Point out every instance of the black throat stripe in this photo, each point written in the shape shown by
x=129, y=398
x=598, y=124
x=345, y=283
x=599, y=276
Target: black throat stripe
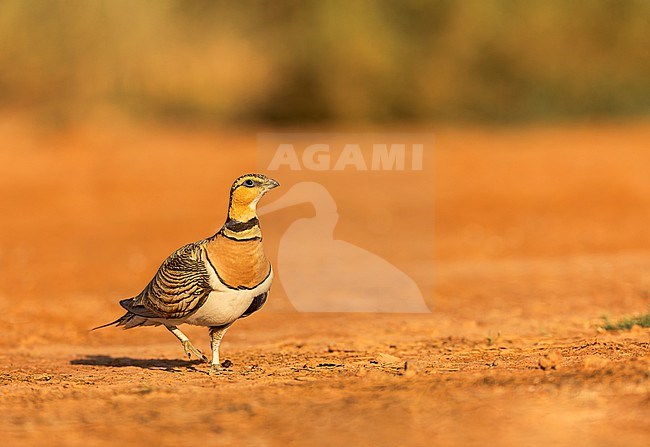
x=237, y=226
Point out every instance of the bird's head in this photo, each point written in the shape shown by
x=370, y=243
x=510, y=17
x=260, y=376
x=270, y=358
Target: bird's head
x=246, y=191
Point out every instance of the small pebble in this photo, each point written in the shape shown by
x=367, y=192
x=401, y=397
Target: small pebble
x=550, y=361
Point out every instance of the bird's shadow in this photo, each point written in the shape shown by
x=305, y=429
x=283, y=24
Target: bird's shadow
x=152, y=364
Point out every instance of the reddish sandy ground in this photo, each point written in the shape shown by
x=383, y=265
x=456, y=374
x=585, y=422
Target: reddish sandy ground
x=539, y=233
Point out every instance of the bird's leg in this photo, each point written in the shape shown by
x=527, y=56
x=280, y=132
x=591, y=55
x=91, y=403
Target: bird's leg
x=216, y=334
x=187, y=344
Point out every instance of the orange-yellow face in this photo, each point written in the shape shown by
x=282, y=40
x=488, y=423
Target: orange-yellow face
x=246, y=191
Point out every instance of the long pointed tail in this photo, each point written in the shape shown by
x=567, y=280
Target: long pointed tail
x=129, y=320
x=117, y=322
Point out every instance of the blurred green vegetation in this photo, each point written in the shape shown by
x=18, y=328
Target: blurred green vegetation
x=628, y=323
x=317, y=61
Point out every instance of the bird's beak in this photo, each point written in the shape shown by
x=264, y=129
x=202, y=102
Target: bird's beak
x=270, y=184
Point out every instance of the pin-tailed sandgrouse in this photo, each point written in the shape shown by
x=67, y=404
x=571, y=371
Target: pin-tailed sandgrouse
x=212, y=282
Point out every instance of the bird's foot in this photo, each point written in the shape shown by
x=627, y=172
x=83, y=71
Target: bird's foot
x=190, y=349
x=219, y=368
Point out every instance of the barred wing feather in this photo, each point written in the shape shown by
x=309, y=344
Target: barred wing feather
x=181, y=285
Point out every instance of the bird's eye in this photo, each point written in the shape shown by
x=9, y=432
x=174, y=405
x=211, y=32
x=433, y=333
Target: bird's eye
x=249, y=183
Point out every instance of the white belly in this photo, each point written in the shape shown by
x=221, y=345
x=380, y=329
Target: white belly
x=225, y=305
